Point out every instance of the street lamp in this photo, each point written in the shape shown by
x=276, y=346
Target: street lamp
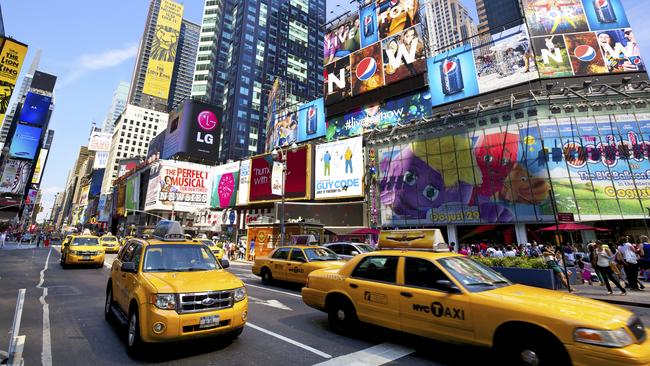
x=278, y=156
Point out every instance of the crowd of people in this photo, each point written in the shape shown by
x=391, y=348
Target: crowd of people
x=621, y=264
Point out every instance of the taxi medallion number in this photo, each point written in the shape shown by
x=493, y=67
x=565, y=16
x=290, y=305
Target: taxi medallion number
x=209, y=321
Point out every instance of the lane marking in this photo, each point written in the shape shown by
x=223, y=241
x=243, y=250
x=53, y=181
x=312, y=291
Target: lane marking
x=270, y=289
x=270, y=303
x=289, y=340
x=46, y=353
x=373, y=356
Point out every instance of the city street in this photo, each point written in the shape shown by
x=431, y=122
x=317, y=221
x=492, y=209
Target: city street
x=281, y=328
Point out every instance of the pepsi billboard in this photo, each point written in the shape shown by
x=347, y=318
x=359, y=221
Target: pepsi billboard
x=396, y=16
x=35, y=109
x=367, y=74
x=452, y=76
x=342, y=40
x=311, y=120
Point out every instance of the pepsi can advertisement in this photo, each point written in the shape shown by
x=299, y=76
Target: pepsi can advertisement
x=451, y=76
x=311, y=120
x=604, y=11
x=369, y=29
x=368, y=25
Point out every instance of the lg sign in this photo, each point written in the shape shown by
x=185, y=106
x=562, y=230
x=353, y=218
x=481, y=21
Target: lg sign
x=207, y=121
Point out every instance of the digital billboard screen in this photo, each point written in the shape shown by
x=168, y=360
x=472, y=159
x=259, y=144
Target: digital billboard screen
x=225, y=180
x=298, y=175
x=404, y=55
x=339, y=169
x=311, y=120
x=179, y=186
x=396, y=16
x=342, y=40
x=15, y=176
x=35, y=109
x=25, y=141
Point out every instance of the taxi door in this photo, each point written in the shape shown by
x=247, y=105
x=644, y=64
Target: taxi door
x=120, y=291
x=130, y=280
x=431, y=309
x=279, y=263
x=374, y=291
x=296, y=266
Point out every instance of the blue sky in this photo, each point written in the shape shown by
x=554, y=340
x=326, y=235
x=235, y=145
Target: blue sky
x=91, y=47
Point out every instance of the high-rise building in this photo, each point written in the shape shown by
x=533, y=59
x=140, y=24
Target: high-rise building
x=133, y=131
x=168, y=45
x=245, y=50
x=2, y=24
x=449, y=24
x=496, y=15
x=118, y=103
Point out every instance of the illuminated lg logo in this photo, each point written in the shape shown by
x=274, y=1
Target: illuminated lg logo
x=207, y=120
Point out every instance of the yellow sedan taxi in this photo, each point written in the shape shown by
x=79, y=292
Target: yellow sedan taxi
x=110, y=243
x=453, y=298
x=294, y=263
x=218, y=252
x=169, y=289
x=82, y=249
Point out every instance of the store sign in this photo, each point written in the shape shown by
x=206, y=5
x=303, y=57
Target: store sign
x=179, y=186
x=296, y=181
x=244, y=182
x=339, y=169
x=100, y=141
x=565, y=217
x=225, y=179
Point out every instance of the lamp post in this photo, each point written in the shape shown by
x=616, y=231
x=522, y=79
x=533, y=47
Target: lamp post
x=278, y=156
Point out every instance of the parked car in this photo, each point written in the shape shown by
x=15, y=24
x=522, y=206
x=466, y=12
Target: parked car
x=347, y=250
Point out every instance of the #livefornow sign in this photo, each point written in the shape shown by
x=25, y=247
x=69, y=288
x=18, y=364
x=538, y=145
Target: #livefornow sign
x=339, y=169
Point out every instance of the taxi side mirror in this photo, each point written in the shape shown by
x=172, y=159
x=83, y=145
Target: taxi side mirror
x=447, y=285
x=128, y=267
x=225, y=263
x=354, y=252
x=66, y=243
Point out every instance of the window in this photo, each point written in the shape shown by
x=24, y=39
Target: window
x=282, y=253
x=376, y=268
x=422, y=273
x=297, y=255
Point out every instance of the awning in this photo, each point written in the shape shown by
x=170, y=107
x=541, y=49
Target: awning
x=346, y=230
x=571, y=227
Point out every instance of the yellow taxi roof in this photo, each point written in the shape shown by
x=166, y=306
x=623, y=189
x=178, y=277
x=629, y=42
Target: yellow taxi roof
x=415, y=253
x=84, y=236
x=301, y=246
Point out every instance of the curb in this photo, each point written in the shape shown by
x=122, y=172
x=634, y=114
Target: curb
x=626, y=303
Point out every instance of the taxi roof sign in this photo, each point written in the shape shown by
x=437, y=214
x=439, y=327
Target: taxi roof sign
x=168, y=230
x=423, y=240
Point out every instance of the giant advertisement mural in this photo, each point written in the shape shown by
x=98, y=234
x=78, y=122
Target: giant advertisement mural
x=298, y=176
x=225, y=180
x=597, y=169
x=178, y=186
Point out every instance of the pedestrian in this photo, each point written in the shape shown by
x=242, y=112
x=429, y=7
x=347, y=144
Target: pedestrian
x=3, y=237
x=604, y=257
x=628, y=256
x=509, y=252
x=550, y=258
x=644, y=261
x=38, y=240
x=592, y=259
x=584, y=269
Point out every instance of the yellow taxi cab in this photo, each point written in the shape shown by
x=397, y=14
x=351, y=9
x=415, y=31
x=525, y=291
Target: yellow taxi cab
x=168, y=289
x=294, y=263
x=82, y=249
x=453, y=298
x=218, y=252
x=110, y=243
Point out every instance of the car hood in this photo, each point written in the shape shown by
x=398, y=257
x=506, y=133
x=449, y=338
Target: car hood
x=559, y=305
x=200, y=281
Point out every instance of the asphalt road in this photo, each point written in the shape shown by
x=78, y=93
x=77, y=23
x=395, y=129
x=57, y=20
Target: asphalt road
x=281, y=329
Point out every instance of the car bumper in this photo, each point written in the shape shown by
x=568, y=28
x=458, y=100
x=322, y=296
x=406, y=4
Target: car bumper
x=636, y=354
x=114, y=249
x=186, y=326
x=79, y=259
x=313, y=298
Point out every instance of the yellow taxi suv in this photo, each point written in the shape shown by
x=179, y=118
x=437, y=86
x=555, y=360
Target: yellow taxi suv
x=294, y=263
x=82, y=250
x=110, y=243
x=453, y=298
x=168, y=289
x=218, y=252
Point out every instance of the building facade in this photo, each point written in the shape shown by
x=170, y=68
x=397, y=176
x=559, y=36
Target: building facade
x=449, y=23
x=181, y=86
x=118, y=103
x=494, y=15
x=207, y=84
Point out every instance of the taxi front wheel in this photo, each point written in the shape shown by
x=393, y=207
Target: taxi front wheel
x=531, y=348
x=267, y=277
x=133, y=340
x=341, y=315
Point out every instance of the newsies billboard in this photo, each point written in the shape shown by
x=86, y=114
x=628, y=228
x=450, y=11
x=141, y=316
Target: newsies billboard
x=180, y=186
x=193, y=132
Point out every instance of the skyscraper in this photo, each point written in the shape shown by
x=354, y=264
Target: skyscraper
x=163, y=46
x=2, y=24
x=118, y=103
x=449, y=24
x=494, y=15
x=254, y=43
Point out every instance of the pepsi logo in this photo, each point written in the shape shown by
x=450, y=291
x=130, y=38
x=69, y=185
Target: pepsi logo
x=311, y=112
x=366, y=68
x=449, y=66
x=602, y=3
x=584, y=53
x=207, y=120
x=367, y=20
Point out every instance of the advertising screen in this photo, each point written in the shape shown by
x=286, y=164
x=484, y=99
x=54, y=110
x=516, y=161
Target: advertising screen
x=297, y=176
x=102, y=208
x=404, y=109
x=547, y=17
x=15, y=176
x=284, y=131
x=32, y=194
x=311, y=120
x=35, y=109
x=83, y=196
x=396, y=16
x=452, y=75
x=366, y=70
x=179, y=185
x=368, y=24
x=127, y=164
x=204, y=131
x=342, y=40
x=25, y=141
x=244, y=179
x=101, y=159
x=132, y=193
x=337, y=80
x=225, y=179
x=404, y=55
x=121, y=197
x=163, y=50
x=339, y=169
x=40, y=166
x=12, y=57
x=99, y=141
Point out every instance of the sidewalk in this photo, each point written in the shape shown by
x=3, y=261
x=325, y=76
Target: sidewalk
x=633, y=298
x=10, y=245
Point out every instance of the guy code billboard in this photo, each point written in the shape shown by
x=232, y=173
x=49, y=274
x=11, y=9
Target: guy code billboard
x=339, y=169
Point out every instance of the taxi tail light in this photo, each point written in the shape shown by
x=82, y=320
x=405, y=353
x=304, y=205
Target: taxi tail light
x=164, y=301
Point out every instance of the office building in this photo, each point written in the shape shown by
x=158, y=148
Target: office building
x=496, y=15
x=182, y=54
x=449, y=24
x=118, y=103
x=2, y=24
x=254, y=43
x=133, y=131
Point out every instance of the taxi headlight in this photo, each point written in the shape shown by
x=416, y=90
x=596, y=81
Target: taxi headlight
x=240, y=294
x=608, y=338
x=74, y=252
x=164, y=301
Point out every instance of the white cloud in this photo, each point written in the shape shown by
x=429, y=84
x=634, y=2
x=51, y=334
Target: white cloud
x=88, y=63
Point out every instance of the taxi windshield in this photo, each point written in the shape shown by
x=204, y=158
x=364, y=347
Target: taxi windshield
x=84, y=241
x=320, y=254
x=474, y=276
x=178, y=258
x=365, y=248
x=109, y=239
x=207, y=242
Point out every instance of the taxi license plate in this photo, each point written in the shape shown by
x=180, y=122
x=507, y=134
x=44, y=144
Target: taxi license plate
x=86, y=257
x=209, y=321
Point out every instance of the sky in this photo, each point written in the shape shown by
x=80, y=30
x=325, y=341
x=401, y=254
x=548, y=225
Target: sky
x=91, y=47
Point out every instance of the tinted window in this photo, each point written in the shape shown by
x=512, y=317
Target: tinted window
x=127, y=253
x=422, y=273
x=336, y=248
x=297, y=254
x=282, y=253
x=377, y=269
x=346, y=249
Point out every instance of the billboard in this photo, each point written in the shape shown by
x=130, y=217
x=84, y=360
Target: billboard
x=311, y=120
x=194, y=132
x=244, y=180
x=548, y=17
x=400, y=110
x=24, y=143
x=15, y=176
x=342, y=40
x=225, y=180
x=298, y=181
x=127, y=164
x=99, y=141
x=179, y=186
x=366, y=70
x=101, y=159
x=83, y=195
x=337, y=80
x=339, y=169
x=12, y=57
x=396, y=16
x=32, y=194
x=605, y=14
x=404, y=55
x=40, y=166
x=163, y=50
x=452, y=75
x=35, y=109
x=368, y=22
x=103, y=208
x=132, y=193
x=284, y=131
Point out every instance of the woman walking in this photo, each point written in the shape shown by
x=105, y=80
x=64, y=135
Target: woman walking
x=604, y=256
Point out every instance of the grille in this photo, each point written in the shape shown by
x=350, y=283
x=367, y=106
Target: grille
x=205, y=301
x=86, y=252
x=637, y=328
x=196, y=328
